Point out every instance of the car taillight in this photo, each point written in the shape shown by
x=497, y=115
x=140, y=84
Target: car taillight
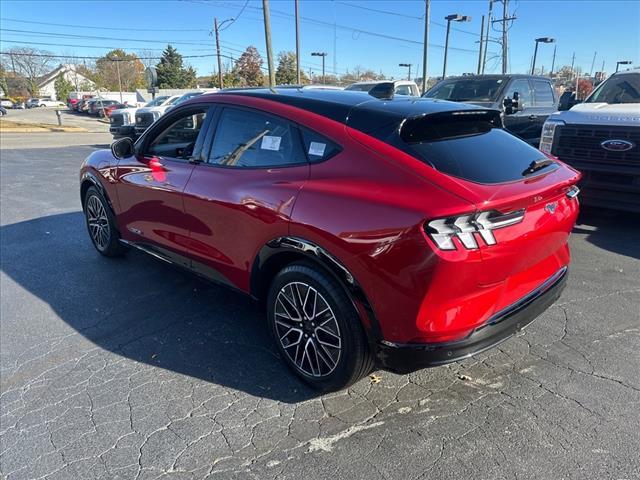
x=470, y=229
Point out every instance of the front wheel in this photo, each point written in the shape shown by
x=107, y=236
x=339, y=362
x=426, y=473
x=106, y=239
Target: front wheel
x=317, y=329
x=101, y=225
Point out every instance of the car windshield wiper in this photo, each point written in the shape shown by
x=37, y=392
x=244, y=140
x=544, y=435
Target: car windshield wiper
x=537, y=165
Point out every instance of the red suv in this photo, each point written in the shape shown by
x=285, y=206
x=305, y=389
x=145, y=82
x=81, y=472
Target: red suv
x=391, y=232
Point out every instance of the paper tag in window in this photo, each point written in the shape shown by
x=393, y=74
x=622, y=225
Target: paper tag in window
x=317, y=148
x=270, y=143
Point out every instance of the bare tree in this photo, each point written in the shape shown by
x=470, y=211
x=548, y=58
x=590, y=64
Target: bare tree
x=31, y=64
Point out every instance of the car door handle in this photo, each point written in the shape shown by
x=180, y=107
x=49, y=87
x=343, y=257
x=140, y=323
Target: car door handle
x=533, y=117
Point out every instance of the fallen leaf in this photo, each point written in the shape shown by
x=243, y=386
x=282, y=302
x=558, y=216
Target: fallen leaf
x=375, y=378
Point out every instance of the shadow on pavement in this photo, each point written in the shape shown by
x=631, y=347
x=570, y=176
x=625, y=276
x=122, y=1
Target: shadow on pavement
x=617, y=232
x=143, y=309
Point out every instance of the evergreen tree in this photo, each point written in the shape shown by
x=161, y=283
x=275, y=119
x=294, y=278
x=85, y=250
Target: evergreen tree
x=286, y=71
x=63, y=87
x=172, y=73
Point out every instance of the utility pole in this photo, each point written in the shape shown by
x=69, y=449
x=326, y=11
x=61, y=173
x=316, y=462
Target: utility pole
x=406, y=65
x=215, y=28
x=504, y=36
x=593, y=63
x=297, y=43
x=323, y=55
x=425, y=48
x=573, y=59
x=553, y=62
x=267, y=37
x=480, y=50
x=486, y=39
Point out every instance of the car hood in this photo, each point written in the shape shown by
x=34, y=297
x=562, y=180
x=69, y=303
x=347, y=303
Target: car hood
x=601, y=114
x=160, y=109
x=131, y=111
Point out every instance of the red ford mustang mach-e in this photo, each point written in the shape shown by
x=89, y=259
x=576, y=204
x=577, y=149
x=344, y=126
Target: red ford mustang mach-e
x=391, y=232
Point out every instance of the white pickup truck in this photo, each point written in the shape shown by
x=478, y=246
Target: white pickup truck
x=601, y=138
x=123, y=121
x=145, y=116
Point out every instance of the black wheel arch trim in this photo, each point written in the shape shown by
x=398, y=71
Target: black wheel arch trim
x=95, y=182
x=321, y=256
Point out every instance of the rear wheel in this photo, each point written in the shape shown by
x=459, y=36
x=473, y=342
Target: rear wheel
x=316, y=328
x=101, y=224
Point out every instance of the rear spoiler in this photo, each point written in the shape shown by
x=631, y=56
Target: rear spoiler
x=451, y=124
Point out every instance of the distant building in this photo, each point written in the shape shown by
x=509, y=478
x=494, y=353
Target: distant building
x=46, y=83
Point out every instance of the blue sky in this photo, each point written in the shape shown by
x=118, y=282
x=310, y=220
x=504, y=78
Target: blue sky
x=361, y=36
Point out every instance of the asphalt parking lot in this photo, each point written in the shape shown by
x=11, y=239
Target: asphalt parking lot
x=129, y=369
x=48, y=116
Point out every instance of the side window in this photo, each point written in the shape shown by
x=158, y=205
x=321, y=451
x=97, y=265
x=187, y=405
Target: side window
x=543, y=94
x=403, y=90
x=248, y=139
x=524, y=91
x=179, y=138
x=317, y=147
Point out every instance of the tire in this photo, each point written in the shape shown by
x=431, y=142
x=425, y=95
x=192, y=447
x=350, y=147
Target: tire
x=101, y=225
x=328, y=348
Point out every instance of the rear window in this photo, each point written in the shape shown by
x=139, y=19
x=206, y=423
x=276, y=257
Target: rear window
x=471, y=147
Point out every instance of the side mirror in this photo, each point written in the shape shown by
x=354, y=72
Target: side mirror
x=122, y=148
x=511, y=104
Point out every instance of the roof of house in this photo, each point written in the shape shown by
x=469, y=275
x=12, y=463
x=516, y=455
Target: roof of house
x=57, y=71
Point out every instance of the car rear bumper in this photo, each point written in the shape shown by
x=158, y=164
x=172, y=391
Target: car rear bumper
x=406, y=358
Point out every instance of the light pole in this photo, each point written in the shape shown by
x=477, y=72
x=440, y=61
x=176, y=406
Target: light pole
x=320, y=54
x=449, y=18
x=406, y=65
x=535, y=52
x=623, y=62
x=216, y=28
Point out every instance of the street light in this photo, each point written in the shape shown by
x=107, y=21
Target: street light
x=535, y=52
x=216, y=28
x=320, y=54
x=623, y=62
x=449, y=18
x=406, y=65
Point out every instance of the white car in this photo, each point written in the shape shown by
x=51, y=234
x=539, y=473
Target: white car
x=600, y=137
x=44, y=102
x=400, y=87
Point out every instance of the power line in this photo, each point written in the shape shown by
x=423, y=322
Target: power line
x=163, y=29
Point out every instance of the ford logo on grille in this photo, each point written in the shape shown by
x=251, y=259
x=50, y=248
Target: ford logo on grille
x=617, y=145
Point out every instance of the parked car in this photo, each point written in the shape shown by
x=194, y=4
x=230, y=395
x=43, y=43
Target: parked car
x=98, y=104
x=525, y=100
x=123, y=121
x=7, y=103
x=72, y=102
x=44, y=102
x=400, y=87
x=399, y=233
x=601, y=138
x=145, y=116
x=106, y=111
x=3, y=111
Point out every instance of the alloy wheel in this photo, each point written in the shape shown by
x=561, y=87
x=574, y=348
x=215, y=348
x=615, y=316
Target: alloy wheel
x=307, y=329
x=98, y=222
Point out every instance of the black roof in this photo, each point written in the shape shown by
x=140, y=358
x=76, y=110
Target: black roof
x=351, y=107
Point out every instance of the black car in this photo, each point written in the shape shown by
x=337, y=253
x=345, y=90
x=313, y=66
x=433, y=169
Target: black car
x=525, y=100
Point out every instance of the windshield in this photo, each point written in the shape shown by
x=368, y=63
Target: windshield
x=466, y=90
x=157, y=101
x=360, y=87
x=618, y=89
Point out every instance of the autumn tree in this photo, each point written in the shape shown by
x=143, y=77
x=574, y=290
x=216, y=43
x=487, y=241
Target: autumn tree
x=119, y=68
x=171, y=71
x=249, y=68
x=585, y=87
x=286, y=72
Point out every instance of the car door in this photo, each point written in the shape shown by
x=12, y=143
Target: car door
x=544, y=104
x=150, y=184
x=520, y=122
x=244, y=192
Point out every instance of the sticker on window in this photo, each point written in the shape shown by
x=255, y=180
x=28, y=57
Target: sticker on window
x=270, y=143
x=317, y=148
